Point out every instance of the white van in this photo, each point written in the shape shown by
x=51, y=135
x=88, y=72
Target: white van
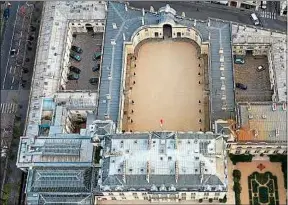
x=264, y=4
x=255, y=19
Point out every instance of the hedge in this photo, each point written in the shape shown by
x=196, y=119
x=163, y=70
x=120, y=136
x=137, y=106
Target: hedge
x=97, y=156
x=283, y=160
x=240, y=158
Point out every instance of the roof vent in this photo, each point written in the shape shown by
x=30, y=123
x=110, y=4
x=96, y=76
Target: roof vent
x=274, y=106
x=114, y=25
x=284, y=106
x=277, y=131
x=264, y=116
x=250, y=116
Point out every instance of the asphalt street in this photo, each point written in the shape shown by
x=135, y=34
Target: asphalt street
x=7, y=39
x=205, y=10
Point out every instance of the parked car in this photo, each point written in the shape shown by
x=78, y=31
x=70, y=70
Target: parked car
x=239, y=60
x=241, y=86
x=75, y=57
x=13, y=52
x=96, y=68
x=74, y=69
x=260, y=68
x=73, y=76
x=93, y=81
x=97, y=56
x=77, y=49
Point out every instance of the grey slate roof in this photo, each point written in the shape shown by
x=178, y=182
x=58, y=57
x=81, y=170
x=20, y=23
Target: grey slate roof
x=127, y=23
x=138, y=181
x=220, y=37
x=61, y=185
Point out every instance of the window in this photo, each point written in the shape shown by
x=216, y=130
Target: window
x=215, y=198
x=123, y=197
x=285, y=152
x=45, y=83
x=228, y=145
x=238, y=152
x=121, y=194
x=247, y=151
x=110, y=194
x=145, y=198
x=134, y=194
x=266, y=151
x=183, y=194
x=146, y=29
x=257, y=151
x=113, y=198
x=136, y=197
x=276, y=151
x=156, y=34
x=217, y=194
x=206, y=194
x=144, y=194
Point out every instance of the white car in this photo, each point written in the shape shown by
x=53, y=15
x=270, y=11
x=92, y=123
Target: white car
x=260, y=68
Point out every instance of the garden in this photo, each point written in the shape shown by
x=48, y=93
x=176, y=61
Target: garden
x=263, y=188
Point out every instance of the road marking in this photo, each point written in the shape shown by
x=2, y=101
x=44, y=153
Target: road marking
x=8, y=108
x=13, y=79
x=11, y=88
x=14, y=69
x=6, y=69
x=10, y=69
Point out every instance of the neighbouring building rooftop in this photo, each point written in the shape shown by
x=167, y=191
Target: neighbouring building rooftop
x=163, y=161
x=263, y=122
x=242, y=34
x=50, y=48
x=60, y=185
x=59, y=151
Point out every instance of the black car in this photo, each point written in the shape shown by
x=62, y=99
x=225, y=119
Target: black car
x=93, y=81
x=77, y=49
x=74, y=69
x=73, y=76
x=241, y=86
x=96, y=68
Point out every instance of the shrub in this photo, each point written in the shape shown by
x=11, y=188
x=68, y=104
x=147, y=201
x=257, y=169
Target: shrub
x=240, y=158
x=97, y=156
x=210, y=200
x=237, y=199
x=237, y=187
x=237, y=174
x=200, y=200
x=225, y=199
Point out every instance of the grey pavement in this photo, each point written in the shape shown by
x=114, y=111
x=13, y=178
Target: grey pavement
x=206, y=10
x=89, y=45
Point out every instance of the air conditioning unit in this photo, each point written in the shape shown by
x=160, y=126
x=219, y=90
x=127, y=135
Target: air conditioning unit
x=92, y=128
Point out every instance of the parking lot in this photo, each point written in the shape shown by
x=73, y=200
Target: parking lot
x=257, y=82
x=89, y=45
